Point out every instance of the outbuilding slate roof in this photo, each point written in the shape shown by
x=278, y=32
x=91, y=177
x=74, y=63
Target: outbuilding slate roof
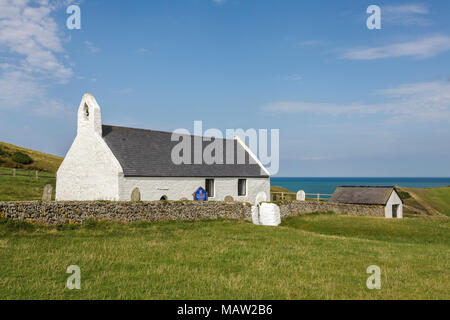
x=362, y=195
x=147, y=153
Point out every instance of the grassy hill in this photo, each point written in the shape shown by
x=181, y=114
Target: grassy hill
x=24, y=185
x=41, y=161
x=317, y=256
x=430, y=201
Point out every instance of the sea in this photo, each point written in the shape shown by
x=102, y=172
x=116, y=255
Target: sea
x=328, y=185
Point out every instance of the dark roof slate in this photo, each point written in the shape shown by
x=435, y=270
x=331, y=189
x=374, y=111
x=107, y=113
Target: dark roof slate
x=147, y=153
x=362, y=195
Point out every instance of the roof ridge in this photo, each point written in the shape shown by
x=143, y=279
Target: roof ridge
x=166, y=132
x=391, y=187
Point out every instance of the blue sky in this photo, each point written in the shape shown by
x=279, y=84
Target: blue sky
x=348, y=101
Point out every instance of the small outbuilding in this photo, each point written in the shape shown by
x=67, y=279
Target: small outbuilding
x=371, y=195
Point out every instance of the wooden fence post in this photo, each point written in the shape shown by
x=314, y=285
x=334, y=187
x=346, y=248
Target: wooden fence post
x=14, y=172
x=318, y=197
x=37, y=175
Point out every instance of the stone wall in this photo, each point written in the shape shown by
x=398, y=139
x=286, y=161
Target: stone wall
x=292, y=208
x=78, y=211
x=64, y=212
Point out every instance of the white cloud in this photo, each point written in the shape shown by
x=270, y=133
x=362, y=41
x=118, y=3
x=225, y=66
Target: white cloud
x=92, y=48
x=31, y=48
x=219, y=1
x=405, y=14
x=418, y=101
x=18, y=89
x=421, y=48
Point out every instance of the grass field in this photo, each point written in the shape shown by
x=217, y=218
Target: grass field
x=318, y=256
x=24, y=185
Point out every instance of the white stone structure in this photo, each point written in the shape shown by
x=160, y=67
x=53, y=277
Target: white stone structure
x=301, y=195
x=394, y=206
x=269, y=214
x=108, y=163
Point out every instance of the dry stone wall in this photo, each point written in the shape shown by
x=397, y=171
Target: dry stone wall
x=292, y=208
x=77, y=212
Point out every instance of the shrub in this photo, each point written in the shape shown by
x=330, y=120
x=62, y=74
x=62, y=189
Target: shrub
x=22, y=158
x=2, y=152
x=403, y=195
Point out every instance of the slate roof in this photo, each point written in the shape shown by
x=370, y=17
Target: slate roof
x=147, y=153
x=362, y=195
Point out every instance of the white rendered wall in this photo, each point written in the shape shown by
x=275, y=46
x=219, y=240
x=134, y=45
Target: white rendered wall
x=394, y=199
x=89, y=170
x=153, y=188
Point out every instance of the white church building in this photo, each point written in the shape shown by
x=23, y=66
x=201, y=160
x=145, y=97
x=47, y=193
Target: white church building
x=109, y=163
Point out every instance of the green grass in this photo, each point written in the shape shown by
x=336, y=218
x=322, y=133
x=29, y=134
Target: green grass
x=24, y=185
x=412, y=230
x=41, y=161
x=309, y=257
x=436, y=198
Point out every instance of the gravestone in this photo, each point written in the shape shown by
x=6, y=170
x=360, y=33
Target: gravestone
x=301, y=196
x=47, y=194
x=136, y=195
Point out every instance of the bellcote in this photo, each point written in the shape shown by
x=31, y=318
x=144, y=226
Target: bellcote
x=89, y=115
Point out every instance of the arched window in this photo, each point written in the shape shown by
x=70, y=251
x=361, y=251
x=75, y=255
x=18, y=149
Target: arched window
x=86, y=111
x=163, y=198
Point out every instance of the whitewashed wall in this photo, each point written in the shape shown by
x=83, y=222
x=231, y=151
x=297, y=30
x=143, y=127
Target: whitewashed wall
x=153, y=188
x=89, y=171
x=394, y=199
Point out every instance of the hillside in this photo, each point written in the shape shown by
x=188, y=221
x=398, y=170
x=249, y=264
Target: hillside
x=430, y=201
x=40, y=161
